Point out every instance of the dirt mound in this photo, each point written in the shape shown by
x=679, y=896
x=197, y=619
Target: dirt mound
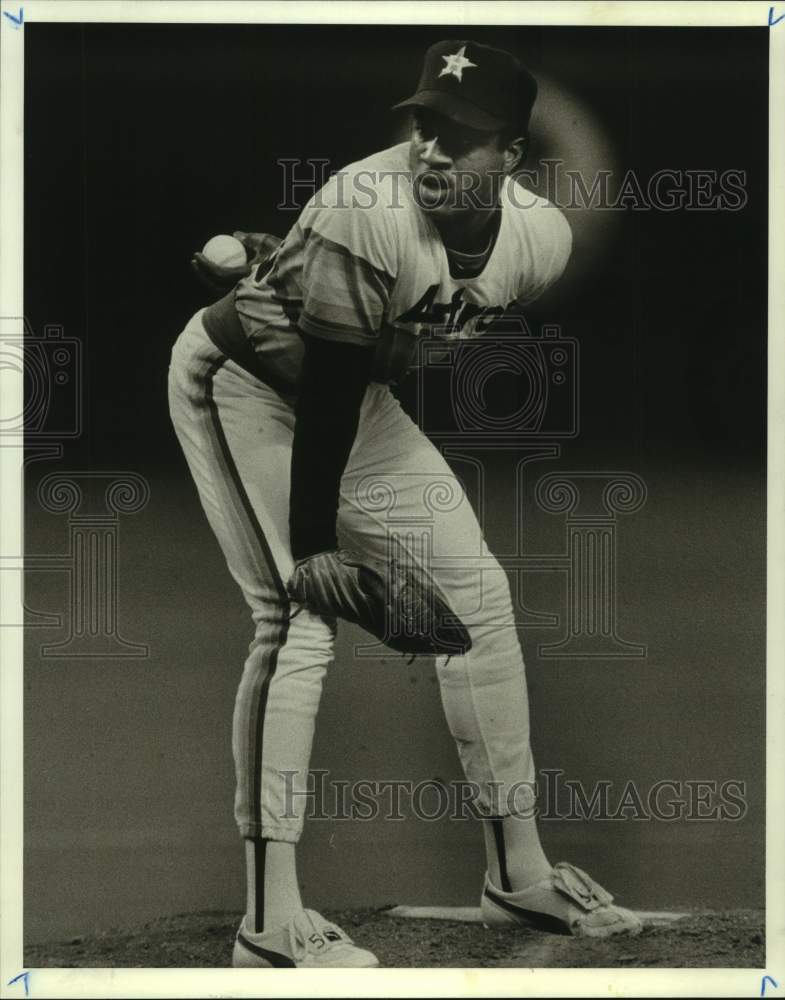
x=730, y=939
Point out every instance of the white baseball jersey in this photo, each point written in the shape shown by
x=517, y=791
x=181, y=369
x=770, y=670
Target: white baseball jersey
x=364, y=264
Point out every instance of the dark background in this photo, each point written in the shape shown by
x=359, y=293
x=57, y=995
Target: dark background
x=143, y=141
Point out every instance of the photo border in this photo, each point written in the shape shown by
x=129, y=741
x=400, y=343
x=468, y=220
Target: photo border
x=387, y=982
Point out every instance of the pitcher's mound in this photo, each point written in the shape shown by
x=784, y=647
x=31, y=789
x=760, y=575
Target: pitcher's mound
x=728, y=939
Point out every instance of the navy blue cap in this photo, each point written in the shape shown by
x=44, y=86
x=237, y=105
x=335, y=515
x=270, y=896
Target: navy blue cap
x=475, y=85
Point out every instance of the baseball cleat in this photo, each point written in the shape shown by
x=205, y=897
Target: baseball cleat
x=567, y=901
x=307, y=941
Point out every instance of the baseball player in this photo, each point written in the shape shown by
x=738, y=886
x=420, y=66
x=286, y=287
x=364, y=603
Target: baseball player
x=280, y=396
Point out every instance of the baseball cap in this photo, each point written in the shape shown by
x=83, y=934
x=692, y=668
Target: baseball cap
x=475, y=85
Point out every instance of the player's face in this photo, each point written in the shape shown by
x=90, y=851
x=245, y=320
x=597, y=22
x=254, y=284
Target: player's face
x=455, y=168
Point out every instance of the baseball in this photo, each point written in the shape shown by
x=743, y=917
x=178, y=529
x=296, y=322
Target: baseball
x=226, y=251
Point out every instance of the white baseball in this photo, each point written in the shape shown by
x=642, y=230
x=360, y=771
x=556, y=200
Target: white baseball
x=226, y=251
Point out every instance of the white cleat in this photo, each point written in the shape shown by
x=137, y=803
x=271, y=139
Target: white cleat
x=567, y=901
x=307, y=941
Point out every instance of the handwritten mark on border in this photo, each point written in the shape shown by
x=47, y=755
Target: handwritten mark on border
x=19, y=21
x=774, y=20
x=25, y=976
x=767, y=979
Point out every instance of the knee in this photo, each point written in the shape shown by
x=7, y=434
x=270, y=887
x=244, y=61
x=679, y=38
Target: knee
x=488, y=600
x=496, y=588
x=298, y=643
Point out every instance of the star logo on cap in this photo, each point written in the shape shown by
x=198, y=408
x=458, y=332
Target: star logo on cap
x=456, y=64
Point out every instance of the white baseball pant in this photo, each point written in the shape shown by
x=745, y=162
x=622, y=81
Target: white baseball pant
x=236, y=434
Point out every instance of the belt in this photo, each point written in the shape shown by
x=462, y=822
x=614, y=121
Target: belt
x=225, y=329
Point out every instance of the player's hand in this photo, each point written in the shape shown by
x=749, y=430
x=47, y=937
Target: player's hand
x=219, y=279
x=216, y=277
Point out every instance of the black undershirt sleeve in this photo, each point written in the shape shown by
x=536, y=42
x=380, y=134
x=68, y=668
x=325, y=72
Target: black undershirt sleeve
x=331, y=390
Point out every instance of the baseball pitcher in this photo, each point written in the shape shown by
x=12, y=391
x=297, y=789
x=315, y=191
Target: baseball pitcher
x=280, y=394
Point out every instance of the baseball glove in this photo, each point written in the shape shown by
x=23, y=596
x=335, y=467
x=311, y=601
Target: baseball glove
x=397, y=604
